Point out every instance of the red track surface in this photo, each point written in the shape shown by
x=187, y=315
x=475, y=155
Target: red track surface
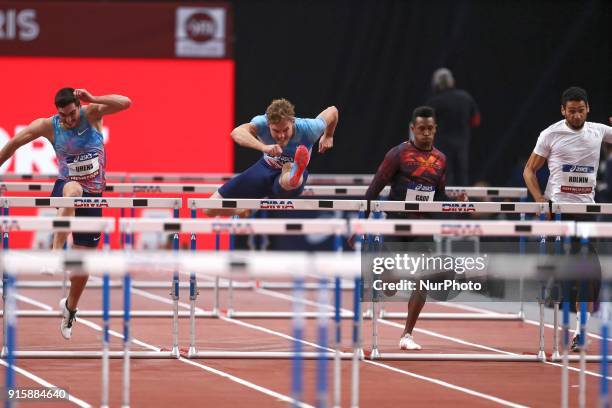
x=174, y=383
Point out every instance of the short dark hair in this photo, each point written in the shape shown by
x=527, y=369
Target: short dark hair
x=423, y=112
x=574, y=93
x=65, y=97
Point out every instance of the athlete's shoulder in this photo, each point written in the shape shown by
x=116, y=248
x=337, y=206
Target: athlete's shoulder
x=438, y=153
x=598, y=127
x=556, y=129
x=307, y=122
x=260, y=120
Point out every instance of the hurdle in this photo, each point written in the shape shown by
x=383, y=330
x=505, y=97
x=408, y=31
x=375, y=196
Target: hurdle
x=84, y=202
x=235, y=265
x=240, y=227
x=309, y=190
x=439, y=227
x=586, y=231
x=25, y=223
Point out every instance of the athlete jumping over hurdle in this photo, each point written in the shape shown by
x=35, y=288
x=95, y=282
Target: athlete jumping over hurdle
x=571, y=146
x=286, y=143
x=417, y=172
x=76, y=135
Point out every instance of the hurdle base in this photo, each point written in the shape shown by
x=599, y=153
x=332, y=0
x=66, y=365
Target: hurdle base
x=590, y=358
x=112, y=313
x=284, y=315
x=280, y=355
x=91, y=354
x=456, y=357
x=454, y=316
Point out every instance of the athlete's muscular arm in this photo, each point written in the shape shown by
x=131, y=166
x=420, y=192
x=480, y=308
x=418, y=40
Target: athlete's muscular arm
x=330, y=116
x=246, y=136
x=39, y=127
x=534, y=163
x=102, y=105
x=387, y=169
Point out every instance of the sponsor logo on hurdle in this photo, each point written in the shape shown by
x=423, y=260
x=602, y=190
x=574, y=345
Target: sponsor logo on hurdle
x=147, y=189
x=460, y=230
x=90, y=203
x=276, y=204
x=458, y=207
x=234, y=228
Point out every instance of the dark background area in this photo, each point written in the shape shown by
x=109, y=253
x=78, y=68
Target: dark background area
x=374, y=60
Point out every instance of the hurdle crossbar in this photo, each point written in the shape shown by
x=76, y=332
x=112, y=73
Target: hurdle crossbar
x=277, y=204
x=462, y=227
x=236, y=226
x=91, y=202
x=77, y=224
x=309, y=190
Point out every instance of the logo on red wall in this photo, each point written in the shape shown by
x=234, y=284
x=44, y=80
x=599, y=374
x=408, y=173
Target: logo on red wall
x=200, y=32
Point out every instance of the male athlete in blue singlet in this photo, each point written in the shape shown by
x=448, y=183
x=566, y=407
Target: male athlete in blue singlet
x=76, y=135
x=286, y=143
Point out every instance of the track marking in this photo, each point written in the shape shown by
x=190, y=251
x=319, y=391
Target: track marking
x=212, y=370
x=44, y=383
x=418, y=376
x=448, y=385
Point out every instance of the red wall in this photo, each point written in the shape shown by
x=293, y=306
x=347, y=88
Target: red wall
x=180, y=120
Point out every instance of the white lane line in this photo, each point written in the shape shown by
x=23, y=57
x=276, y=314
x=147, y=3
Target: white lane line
x=215, y=371
x=449, y=338
x=44, y=383
x=532, y=322
x=481, y=346
x=434, y=380
x=32, y=302
x=448, y=385
x=230, y=377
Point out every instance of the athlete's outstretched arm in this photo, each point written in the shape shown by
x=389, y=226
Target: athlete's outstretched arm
x=39, y=127
x=330, y=116
x=246, y=136
x=534, y=164
x=102, y=105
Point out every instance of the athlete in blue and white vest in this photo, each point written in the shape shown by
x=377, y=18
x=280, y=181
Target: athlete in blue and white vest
x=76, y=135
x=286, y=143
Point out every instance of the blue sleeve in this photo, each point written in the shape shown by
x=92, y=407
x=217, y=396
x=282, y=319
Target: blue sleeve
x=314, y=128
x=261, y=123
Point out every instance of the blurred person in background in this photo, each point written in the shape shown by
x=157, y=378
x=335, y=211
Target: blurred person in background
x=456, y=114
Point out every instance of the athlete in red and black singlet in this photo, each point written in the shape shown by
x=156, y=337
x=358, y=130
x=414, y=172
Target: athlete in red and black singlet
x=416, y=171
x=407, y=167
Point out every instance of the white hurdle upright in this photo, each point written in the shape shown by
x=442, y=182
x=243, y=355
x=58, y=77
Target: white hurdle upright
x=439, y=227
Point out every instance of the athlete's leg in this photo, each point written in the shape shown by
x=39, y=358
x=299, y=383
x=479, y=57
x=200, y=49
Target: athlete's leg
x=254, y=182
x=70, y=189
x=292, y=175
x=415, y=305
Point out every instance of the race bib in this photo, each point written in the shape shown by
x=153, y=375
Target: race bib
x=84, y=166
x=578, y=179
x=419, y=192
x=279, y=161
